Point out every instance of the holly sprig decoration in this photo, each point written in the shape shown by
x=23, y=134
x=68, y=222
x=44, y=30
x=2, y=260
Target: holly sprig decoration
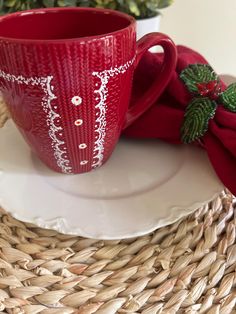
x=205, y=86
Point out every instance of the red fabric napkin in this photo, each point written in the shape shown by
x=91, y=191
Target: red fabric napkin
x=165, y=118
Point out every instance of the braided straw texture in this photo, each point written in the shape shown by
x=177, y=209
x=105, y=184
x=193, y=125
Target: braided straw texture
x=187, y=267
x=4, y=114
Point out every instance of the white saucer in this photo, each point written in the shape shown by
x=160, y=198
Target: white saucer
x=145, y=185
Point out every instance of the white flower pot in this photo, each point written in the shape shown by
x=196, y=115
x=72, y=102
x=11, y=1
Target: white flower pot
x=148, y=25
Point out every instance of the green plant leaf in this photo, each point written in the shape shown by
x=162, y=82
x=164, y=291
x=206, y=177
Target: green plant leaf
x=10, y=3
x=1, y=4
x=196, y=119
x=164, y=3
x=138, y=8
x=66, y=3
x=197, y=73
x=48, y=3
x=110, y=4
x=228, y=98
x=84, y=3
x=152, y=6
x=134, y=9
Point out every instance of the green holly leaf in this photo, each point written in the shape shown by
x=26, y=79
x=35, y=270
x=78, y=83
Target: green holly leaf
x=196, y=119
x=228, y=98
x=197, y=73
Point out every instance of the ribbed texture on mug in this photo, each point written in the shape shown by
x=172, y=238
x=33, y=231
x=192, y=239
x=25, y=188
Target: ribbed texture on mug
x=71, y=66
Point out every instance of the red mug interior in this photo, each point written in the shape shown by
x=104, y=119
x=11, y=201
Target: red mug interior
x=56, y=24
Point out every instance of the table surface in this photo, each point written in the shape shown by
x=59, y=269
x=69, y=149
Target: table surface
x=208, y=26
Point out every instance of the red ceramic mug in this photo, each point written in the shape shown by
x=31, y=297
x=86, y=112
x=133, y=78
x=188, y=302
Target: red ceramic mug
x=66, y=76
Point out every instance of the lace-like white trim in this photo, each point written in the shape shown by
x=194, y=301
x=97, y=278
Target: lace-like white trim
x=102, y=91
x=45, y=84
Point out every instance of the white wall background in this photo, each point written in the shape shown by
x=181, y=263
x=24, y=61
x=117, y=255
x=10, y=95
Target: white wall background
x=208, y=26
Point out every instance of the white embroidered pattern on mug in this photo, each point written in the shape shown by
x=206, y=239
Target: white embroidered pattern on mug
x=45, y=84
x=101, y=106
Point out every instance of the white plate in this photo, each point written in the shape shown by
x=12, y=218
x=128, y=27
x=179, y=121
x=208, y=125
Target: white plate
x=144, y=185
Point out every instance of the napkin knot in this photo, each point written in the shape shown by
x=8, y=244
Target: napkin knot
x=206, y=88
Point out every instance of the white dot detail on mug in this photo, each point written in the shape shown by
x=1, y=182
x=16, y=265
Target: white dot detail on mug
x=82, y=146
x=83, y=162
x=78, y=122
x=76, y=100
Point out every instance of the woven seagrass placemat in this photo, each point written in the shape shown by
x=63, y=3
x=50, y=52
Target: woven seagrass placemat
x=187, y=267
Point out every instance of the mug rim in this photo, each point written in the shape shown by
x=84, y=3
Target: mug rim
x=132, y=23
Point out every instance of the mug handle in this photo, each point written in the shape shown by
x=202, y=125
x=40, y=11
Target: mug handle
x=163, y=77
